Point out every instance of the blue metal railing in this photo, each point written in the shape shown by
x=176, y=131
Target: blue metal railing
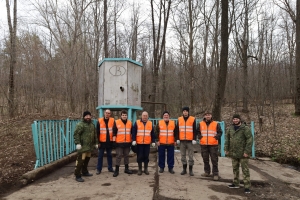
x=53, y=139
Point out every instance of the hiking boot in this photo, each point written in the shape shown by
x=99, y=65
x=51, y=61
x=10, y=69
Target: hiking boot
x=79, y=179
x=171, y=171
x=87, y=174
x=233, y=186
x=140, y=169
x=161, y=170
x=98, y=172
x=205, y=174
x=191, y=170
x=247, y=191
x=216, y=177
x=184, y=170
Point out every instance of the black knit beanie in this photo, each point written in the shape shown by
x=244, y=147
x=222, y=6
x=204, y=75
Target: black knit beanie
x=186, y=108
x=86, y=113
x=236, y=116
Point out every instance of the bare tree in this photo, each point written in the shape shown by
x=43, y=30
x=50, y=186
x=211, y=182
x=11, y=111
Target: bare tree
x=105, y=34
x=297, y=93
x=12, y=25
x=158, y=42
x=296, y=19
x=222, y=71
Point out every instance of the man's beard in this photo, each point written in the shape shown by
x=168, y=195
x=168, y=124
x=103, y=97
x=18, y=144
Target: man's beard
x=237, y=123
x=87, y=120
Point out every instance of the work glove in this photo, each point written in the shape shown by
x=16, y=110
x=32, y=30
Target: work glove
x=96, y=146
x=133, y=143
x=217, y=137
x=78, y=146
x=178, y=141
x=153, y=144
x=194, y=142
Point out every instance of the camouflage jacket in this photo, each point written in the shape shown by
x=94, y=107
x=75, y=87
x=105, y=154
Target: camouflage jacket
x=238, y=142
x=85, y=134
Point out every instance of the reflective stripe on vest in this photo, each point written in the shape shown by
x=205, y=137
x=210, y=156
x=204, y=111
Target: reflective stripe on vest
x=208, y=133
x=186, y=128
x=124, y=132
x=102, y=137
x=143, y=135
x=166, y=132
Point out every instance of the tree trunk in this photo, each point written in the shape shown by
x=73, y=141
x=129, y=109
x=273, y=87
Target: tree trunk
x=105, y=30
x=297, y=91
x=191, y=58
x=158, y=46
x=222, y=71
x=13, y=54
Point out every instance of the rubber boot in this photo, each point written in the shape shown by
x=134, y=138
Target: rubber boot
x=79, y=166
x=146, y=168
x=85, y=171
x=140, y=169
x=191, y=170
x=184, y=170
x=116, y=173
x=127, y=171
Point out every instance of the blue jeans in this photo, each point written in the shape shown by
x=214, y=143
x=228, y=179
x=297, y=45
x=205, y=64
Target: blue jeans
x=100, y=158
x=162, y=156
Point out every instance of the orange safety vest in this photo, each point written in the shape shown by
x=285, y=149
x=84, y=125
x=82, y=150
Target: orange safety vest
x=166, y=132
x=124, y=131
x=208, y=133
x=186, y=128
x=143, y=135
x=102, y=137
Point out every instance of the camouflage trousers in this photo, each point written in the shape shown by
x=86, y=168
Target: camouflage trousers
x=236, y=162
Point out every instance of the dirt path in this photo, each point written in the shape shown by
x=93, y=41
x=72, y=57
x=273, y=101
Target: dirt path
x=270, y=180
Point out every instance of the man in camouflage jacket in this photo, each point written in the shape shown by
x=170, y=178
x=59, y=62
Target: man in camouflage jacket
x=85, y=139
x=238, y=146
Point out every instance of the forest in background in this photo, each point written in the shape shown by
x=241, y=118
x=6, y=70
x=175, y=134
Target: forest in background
x=50, y=50
x=58, y=45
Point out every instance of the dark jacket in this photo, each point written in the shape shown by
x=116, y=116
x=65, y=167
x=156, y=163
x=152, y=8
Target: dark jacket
x=115, y=132
x=157, y=131
x=134, y=132
x=194, y=129
x=108, y=143
x=219, y=130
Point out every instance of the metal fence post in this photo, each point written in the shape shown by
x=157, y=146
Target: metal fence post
x=253, y=136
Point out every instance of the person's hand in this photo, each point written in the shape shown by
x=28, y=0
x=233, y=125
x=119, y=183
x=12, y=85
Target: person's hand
x=178, y=141
x=153, y=144
x=194, y=142
x=96, y=146
x=133, y=143
x=216, y=137
x=78, y=146
x=157, y=143
x=114, y=138
x=226, y=152
x=246, y=155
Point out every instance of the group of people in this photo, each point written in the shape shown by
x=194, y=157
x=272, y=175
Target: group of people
x=125, y=135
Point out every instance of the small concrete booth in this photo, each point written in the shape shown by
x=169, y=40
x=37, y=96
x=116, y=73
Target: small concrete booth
x=120, y=86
